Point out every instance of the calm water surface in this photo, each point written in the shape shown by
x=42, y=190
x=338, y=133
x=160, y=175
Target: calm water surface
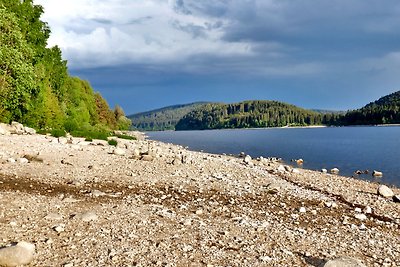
x=347, y=148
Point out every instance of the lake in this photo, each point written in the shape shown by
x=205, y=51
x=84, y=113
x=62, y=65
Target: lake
x=347, y=148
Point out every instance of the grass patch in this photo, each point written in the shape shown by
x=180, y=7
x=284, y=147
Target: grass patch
x=58, y=133
x=112, y=142
x=91, y=134
x=124, y=136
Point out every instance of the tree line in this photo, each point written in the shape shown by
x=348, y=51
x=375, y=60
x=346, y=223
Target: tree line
x=35, y=86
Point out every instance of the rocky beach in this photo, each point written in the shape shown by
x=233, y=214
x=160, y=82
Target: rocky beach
x=70, y=202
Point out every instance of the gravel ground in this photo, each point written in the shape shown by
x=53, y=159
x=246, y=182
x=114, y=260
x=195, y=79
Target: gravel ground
x=147, y=203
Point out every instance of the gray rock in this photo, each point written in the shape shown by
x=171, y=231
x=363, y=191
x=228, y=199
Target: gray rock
x=344, y=262
x=17, y=128
x=385, y=191
x=20, y=254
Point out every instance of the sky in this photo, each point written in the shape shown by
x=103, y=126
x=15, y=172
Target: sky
x=146, y=54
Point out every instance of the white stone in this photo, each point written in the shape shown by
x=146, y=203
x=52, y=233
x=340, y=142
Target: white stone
x=295, y=171
x=23, y=160
x=367, y=210
x=119, y=151
x=247, y=159
x=377, y=173
x=360, y=216
x=59, y=228
x=53, y=216
x=20, y=254
x=344, y=262
x=358, y=210
x=335, y=171
x=30, y=131
x=385, y=191
x=88, y=216
x=97, y=193
x=302, y=210
x=324, y=170
x=281, y=168
x=11, y=160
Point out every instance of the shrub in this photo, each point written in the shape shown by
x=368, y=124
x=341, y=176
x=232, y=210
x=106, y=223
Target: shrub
x=112, y=142
x=58, y=133
x=124, y=136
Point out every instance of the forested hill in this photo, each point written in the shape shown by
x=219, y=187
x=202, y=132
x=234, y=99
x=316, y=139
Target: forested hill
x=35, y=87
x=249, y=114
x=162, y=119
x=385, y=110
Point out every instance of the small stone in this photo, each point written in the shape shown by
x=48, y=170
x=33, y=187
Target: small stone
x=302, y=210
x=281, y=168
x=11, y=160
x=385, y=191
x=377, y=174
x=358, y=210
x=119, y=151
x=23, y=160
x=147, y=158
x=20, y=254
x=295, y=171
x=367, y=210
x=247, y=159
x=53, y=216
x=88, y=216
x=70, y=264
x=324, y=170
x=335, y=171
x=344, y=262
x=363, y=227
x=360, y=216
x=97, y=193
x=199, y=212
x=59, y=228
x=314, y=212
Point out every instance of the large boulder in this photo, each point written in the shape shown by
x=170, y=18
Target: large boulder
x=4, y=129
x=20, y=254
x=385, y=191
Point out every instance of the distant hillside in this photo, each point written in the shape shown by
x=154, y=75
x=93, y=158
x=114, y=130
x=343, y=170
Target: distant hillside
x=385, y=110
x=162, y=119
x=249, y=114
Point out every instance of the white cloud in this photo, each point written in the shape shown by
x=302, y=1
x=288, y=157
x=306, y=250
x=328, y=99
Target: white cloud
x=110, y=32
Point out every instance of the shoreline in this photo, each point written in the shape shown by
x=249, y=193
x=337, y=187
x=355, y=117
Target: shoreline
x=200, y=208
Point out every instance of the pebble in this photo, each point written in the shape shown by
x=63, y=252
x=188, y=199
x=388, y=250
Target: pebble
x=87, y=216
x=53, y=216
x=23, y=160
x=97, y=193
x=367, y=210
x=344, y=262
x=324, y=170
x=360, y=216
x=335, y=171
x=119, y=151
x=59, y=228
x=11, y=160
x=302, y=210
x=20, y=254
x=147, y=158
x=385, y=191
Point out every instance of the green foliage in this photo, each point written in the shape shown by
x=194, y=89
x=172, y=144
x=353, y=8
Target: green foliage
x=385, y=110
x=162, y=119
x=35, y=87
x=248, y=114
x=127, y=137
x=112, y=142
x=58, y=133
x=91, y=133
